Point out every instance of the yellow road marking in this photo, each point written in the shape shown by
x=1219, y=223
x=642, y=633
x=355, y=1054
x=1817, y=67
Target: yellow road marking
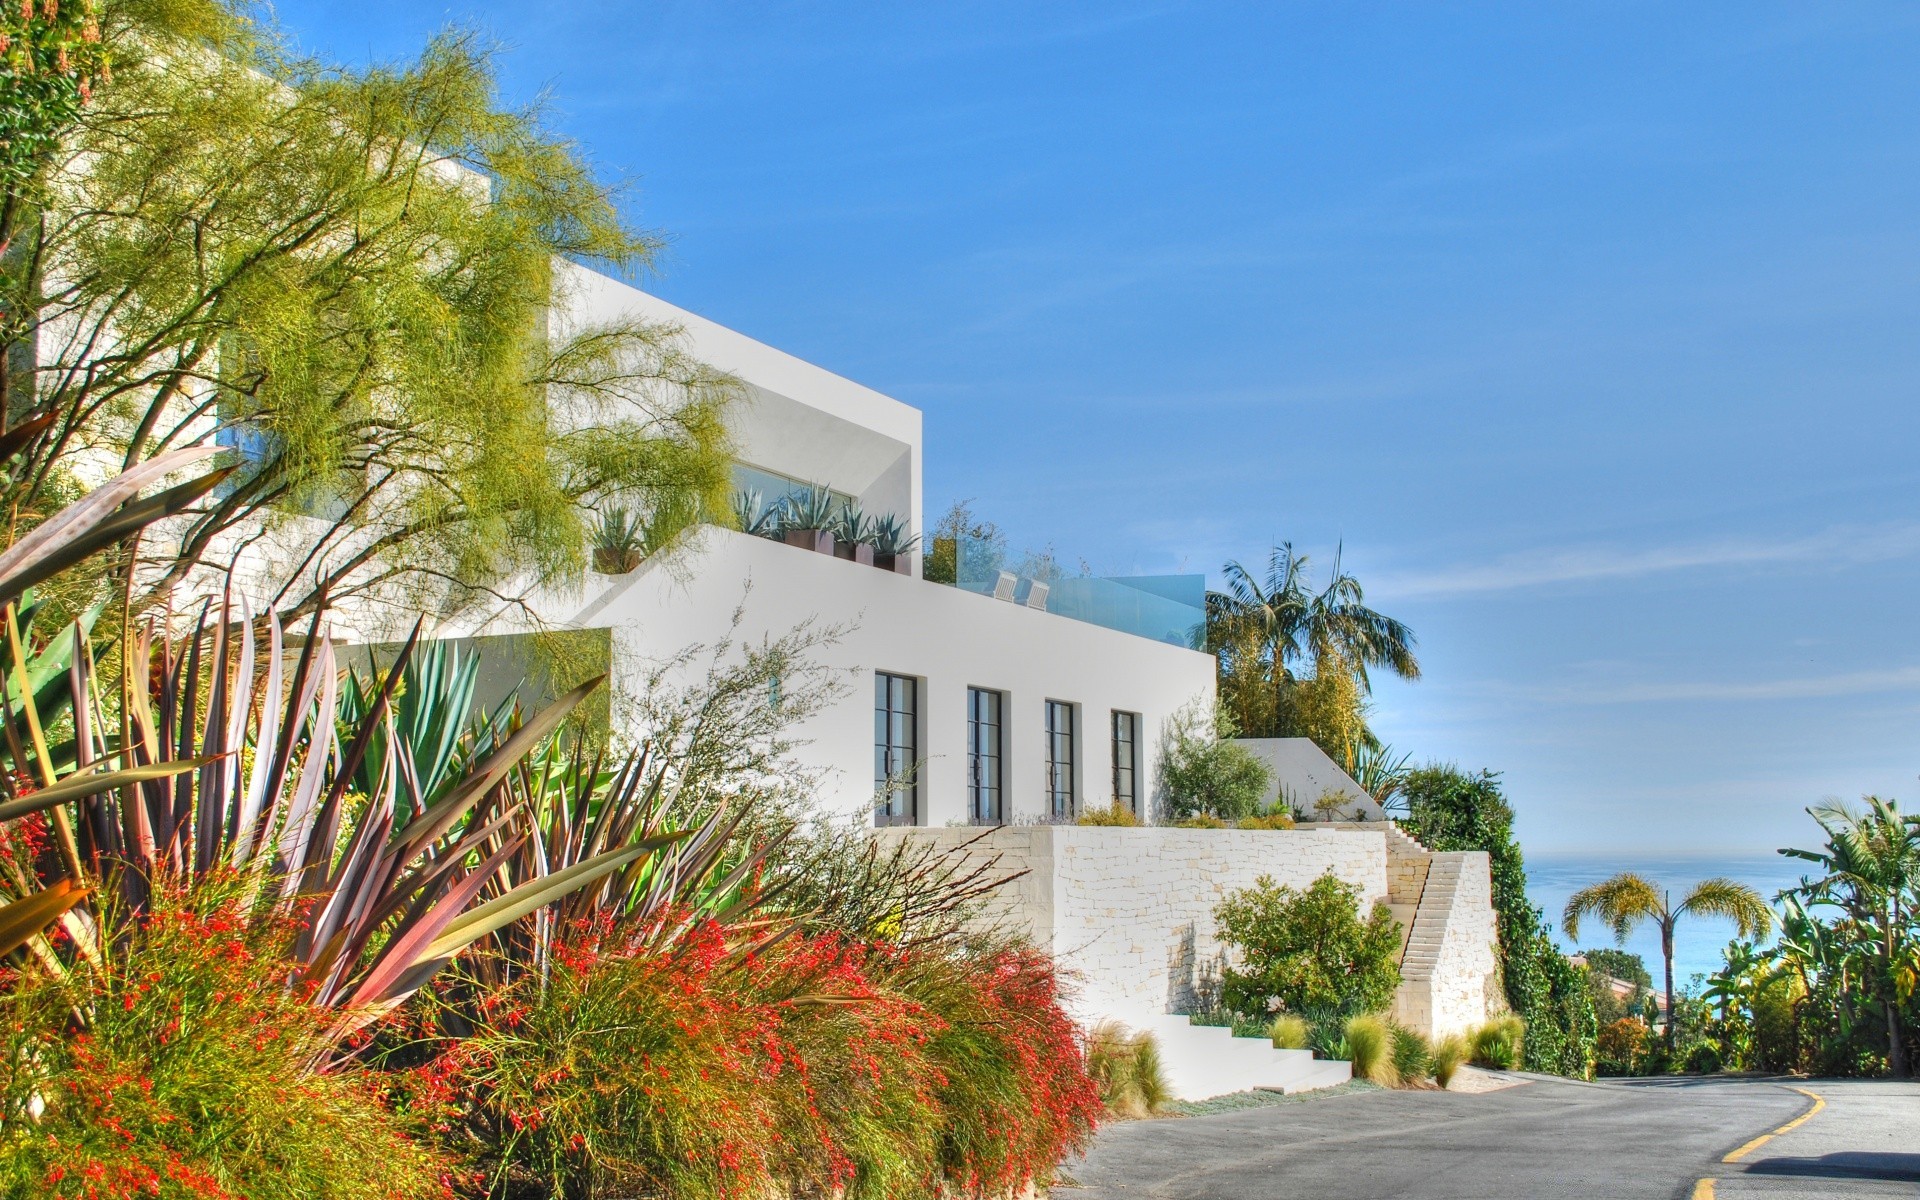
x=1703, y=1190
x=1789, y=1127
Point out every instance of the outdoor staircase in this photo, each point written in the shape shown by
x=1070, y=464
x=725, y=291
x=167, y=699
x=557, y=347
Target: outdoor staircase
x=1427, y=930
x=1207, y=1060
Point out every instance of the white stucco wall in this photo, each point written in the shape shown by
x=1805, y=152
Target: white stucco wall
x=946, y=638
x=1303, y=772
x=794, y=418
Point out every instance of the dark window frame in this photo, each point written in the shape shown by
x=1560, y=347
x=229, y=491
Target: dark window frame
x=1062, y=792
x=986, y=756
x=896, y=749
x=1126, y=759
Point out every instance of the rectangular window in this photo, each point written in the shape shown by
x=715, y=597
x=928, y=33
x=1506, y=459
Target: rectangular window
x=984, y=709
x=1126, y=760
x=1060, y=796
x=896, y=749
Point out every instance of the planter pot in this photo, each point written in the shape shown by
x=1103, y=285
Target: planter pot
x=859, y=552
x=818, y=540
x=899, y=564
x=608, y=561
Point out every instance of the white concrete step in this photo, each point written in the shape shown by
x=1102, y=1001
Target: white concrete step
x=1323, y=1073
x=1205, y=1060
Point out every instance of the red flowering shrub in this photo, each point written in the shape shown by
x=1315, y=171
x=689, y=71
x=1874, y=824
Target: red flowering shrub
x=194, y=1076
x=817, y=1066
x=1015, y=1097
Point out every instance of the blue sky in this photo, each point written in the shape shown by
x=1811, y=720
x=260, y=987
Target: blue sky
x=1589, y=329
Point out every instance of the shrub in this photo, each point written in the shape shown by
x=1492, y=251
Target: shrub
x=1200, y=821
x=1499, y=1043
x=1290, y=1031
x=1412, y=1055
x=1267, y=820
x=1201, y=772
x=1126, y=1066
x=196, y=1076
x=1621, y=1048
x=1117, y=815
x=817, y=1066
x=1012, y=1089
x=1448, y=1053
x=1307, y=949
x=1370, y=1050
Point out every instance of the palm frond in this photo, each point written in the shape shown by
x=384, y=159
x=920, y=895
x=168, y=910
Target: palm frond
x=1722, y=897
x=1621, y=903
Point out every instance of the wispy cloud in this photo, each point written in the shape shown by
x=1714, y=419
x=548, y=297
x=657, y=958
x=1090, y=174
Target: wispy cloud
x=1581, y=564
x=1660, y=691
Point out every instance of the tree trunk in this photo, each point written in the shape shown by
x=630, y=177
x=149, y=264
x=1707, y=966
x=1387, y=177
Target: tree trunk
x=1666, y=952
x=1896, y=1048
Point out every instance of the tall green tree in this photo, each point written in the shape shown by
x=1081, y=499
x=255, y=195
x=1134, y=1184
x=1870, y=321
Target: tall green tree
x=1295, y=661
x=355, y=280
x=1627, y=899
x=1871, y=871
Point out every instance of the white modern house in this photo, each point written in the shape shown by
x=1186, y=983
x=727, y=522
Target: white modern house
x=1017, y=704
x=967, y=706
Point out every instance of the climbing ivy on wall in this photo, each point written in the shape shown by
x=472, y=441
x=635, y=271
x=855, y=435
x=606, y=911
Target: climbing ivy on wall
x=1450, y=809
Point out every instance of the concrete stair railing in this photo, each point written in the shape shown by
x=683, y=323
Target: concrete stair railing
x=1202, y=1061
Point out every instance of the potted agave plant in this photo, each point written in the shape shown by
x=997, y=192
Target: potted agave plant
x=855, y=535
x=756, y=518
x=619, y=541
x=893, y=546
x=811, y=520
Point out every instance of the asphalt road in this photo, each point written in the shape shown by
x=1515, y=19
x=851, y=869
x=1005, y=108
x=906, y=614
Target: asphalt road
x=1539, y=1141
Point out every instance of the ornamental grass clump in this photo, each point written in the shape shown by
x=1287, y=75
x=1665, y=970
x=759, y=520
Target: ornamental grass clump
x=1497, y=1044
x=1412, y=1054
x=1370, y=1049
x=1125, y=1064
x=1448, y=1054
x=1290, y=1031
x=198, y=1073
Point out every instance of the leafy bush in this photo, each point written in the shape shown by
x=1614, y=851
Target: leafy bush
x=1621, y=1048
x=1448, y=1053
x=1307, y=949
x=198, y=1075
x=1126, y=1066
x=1117, y=815
x=1412, y=1055
x=1267, y=820
x=1200, y=821
x=1290, y=1031
x=1499, y=1044
x=1449, y=809
x=1202, y=772
x=1370, y=1050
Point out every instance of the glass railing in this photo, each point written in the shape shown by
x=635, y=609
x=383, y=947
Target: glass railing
x=1165, y=608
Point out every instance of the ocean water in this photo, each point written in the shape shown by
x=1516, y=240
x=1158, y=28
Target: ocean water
x=1698, y=941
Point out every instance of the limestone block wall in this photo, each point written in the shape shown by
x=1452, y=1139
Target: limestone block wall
x=1129, y=912
x=1447, y=970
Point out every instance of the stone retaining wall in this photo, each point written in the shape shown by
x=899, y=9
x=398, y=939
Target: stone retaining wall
x=1129, y=912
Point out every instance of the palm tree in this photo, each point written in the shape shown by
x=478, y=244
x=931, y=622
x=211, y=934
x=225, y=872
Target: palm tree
x=1628, y=899
x=1296, y=624
x=1872, y=865
x=1270, y=627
